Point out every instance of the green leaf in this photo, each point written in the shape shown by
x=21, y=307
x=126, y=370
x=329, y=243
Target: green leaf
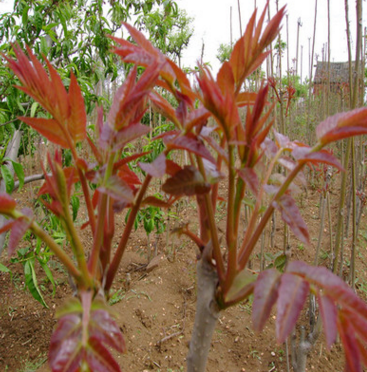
x=5, y=269
x=18, y=169
x=7, y=178
x=75, y=203
x=33, y=109
x=31, y=282
x=49, y=275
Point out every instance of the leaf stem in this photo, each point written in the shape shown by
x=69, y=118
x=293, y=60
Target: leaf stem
x=126, y=234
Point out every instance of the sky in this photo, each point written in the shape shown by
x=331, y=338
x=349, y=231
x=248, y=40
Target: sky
x=212, y=24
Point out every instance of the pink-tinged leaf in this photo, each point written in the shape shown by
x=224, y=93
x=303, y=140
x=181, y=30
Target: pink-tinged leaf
x=129, y=134
x=190, y=143
x=117, y=189
x=155, y=202
x=128, y=176
x=328, y=312
x=118, y=100
x=265, y=296
x=82, y=331
x=213, y=175
x=215, y=146
x=7, y=203
x=292, y=217
x=49, y=128
x=187, y=181
x=350, y=344
x=287, y=163
x=249, y=176
x=19, y=228
x=270, y=148
x=98, y=358
x=293, y=292
x=103, y=328
x=157, y=168
x=303, y=155
x=283, y=141
x=77, y=121
x=332, y=286
x=342, y=125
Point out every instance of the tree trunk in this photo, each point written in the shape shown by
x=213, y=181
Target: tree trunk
x=207, y=313
x=12, y=153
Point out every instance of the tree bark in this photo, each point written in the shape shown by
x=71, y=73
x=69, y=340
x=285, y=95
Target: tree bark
x=207, y=313
x=12, y=153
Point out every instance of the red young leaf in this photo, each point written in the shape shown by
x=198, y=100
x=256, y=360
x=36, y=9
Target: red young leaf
x=64, y=354
x=48, y=128
x=196, y=118
x=342, y=125
x=7, y=203
x=106, y=330
x=7, y=226
x=292, y=217
x=359, y=323
x=362, y=352
x=293, y=292
x=187, y=181
x=328, y=312
x=350, y=344
x=98, y=357
x=163, y=106
x=246, y=99
x=157, y=168
x=77, y=121
x=171, y=167
x=128, y=176
x=190, y=143
x=265, y=296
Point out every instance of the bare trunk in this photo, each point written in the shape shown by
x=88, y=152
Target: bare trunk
x=207, y=313
x=11, y=153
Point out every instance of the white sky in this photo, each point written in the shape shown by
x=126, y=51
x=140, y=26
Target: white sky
x=212, y=23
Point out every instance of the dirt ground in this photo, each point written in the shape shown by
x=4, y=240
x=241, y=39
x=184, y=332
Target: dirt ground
x=155, y=309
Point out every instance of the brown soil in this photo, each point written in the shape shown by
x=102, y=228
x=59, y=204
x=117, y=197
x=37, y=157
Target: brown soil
x=155, y=311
